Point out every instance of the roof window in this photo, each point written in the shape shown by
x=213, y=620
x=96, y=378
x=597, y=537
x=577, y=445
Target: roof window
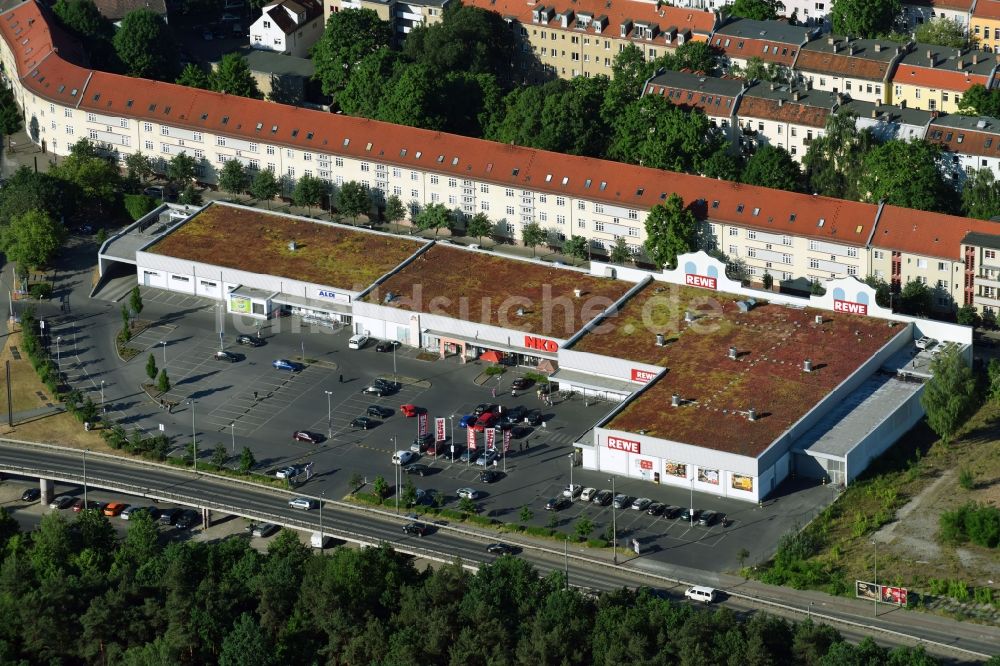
x=565, y=180
x=72, y=93
x=961, y=138
x=309, y=136
x=858, y=229
x=274, y=129
x=402, y=152
x=715, y=203
x=97, y=96
x=295, y=133
x=225, y=120
x=347, y=142
x=454, y=161
x=260, y=126
x=791, y=218
x=489, y=167
x=152, y=107
x=739, y=208
x=63, y=87
x=586, y=184
x=368, y=147
x=440, y=159
x=418, y=154
x=821, y=222
x=548, y=178
x=515, y=171
x=204, y=116
x=756, y=212
x=639, y=191
x=604, y=185
x=166, y=110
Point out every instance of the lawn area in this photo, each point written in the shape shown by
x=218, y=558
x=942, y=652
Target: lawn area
x=898, y=504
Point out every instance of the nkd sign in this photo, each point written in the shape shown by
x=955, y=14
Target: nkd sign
x=703, y=281
x=621, y=444
x=850, y=307
x=541, y=344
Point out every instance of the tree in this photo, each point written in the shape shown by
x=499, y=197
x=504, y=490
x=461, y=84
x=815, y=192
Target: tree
x=181, y=168
x=369, y=82
x=950, y=395
x=247, y=460
x=758, y=10
x=834, y=161
x=139, y=205
x=246, y=644
x=883, y=293
x=584, y=527
x=967, y=315
x=526, y=514
x=380, y=487
x=767, y=280
x=978, y=101
x=466, y=505
x=395, y=211
x=31, y=239
x=88, y=25
x=741, y=556
x=138, y=167
x=773, y=167
x=309, y=191
x=577, y=247
x=233, y=77
x=434, y=216
x=189, y=196
x=905, y=173
x=194, y=76
x=629, y=71
x=532, y=235
x=671, y=229
x=353, y=200
x=219, y=455
x=264, y=186
x=915, y=299
x=146, y=46
x=95, y=180
x=135, y=300
x=409, y=493
x=233, y=177
x=163, y=381
x=469, y=39
x=993, y=379
x=27, y=191
x=349, y=36
x=695, y=56
x=864, y=18
x=943, y=32
x=653, y=132
x=151, y=369
x=619, y=253
x=11, y=120
x=759, y=70
x=981, y=195
x=479, y=225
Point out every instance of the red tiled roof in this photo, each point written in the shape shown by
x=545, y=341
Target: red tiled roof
x=930, y=234
x=938, y=78
x=116, y=10
x=841, y=64
x=787, y=112
x=987, y=9
x=954, y=5
x=767, y=50
x=969, y=142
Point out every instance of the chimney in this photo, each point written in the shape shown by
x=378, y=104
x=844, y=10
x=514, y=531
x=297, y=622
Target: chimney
x=819, y=319
x=961, y=63
x=874, y=115
x=732, y=353
x=878, y=102
x=773, y=85
x=836, y=45
x=831, y=41
x=291, y=246
x=576, y=293
x=878, y=47
x=807, y=365
x=851, y=49
x=688, y=316
x=795, y=95
x=975, y=58
x=781, y=103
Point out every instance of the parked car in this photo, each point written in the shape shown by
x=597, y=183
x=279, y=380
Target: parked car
x=469, y=456
x=482, y=407
x=389, y=384
x=467, y=420
x=304, y=503
x=228, y=357
x=419, y=529
x=285, y=364
x=671, y=511
x=187, y=519
x=364, y=423
x=378, y=411
x=62, y=502
x=417, y=468
x=402, y=457
x=169, y=516
x=114, y=509
x=377, y=391
x=641, y=504
x=689, y=515
x=485, y=420
x=357, y=341
x=306, y=436
x=487, y=458
x=588, y=494
x=134, y=511
x=521, y=383
x=387, y=345
x=515, y=414
x=655, y=509
x=31, y=495
x=287, y=472
x=557, y=503
x=409, y=411
x=489, y=476
x=533, y=417
x=572, y=491
x=501, y=549
x=421, y=442
x=603, y=498
x=264, y=530
x=467, y=493
x=708, y=518
x=250, y=340
x=77, y=506
x=622, y=501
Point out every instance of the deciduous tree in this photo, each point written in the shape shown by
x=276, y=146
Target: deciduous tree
x=619, y=252
x=883, y=292
x=834, y=161
x=247, y=460
x=981, y=195
x=864, y=18
x=233, y=77
x=138, y=167
x=943, y=32
x=915, y=299
x=758, y=10
x=434, y=216
x=577, y=247
x=469, y=39
x=146, y=46
x=233, y=177
x=395, y=211
x=353, y=200
x=163, y=381
x=194, y=76
x=181, y=168
x=309, y=191
x=350, y=35
x=479, y=225
x=264, y=186
x=773, y=166
x=11, y=120
x=978, y=101
x=31, y=239
x=950, y=395
x=532, y=235
x=629, y=71
x=671, y=229
x=905, y=173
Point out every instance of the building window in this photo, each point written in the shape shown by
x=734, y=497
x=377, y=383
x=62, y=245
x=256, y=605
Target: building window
x=434, y=180
x=878, y=254
x=509, y=192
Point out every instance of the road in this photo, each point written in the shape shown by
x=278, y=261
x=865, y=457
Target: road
x=943, y=637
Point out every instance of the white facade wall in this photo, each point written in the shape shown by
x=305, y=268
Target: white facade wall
x=865, y=90
x=793, y=137
x=893, y=427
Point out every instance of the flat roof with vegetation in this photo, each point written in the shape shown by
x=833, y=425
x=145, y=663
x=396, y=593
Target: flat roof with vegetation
x=258, y=242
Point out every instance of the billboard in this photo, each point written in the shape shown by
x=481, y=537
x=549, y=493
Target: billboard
x=622, y=444
x=439, y=429
x=239, y=304
x=703, y=281
x=470, y=438
x=864, y=590
x=643, y=376
x=708, y=476
x=506, y=443
x=850, y=307
x=893, y=595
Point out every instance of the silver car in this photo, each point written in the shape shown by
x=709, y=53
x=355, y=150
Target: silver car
x=302, y=503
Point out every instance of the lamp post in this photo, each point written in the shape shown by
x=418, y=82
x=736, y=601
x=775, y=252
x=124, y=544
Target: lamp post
x=58, y=355
x=398, y=473
x=329, y=415
x=572, y=497
x=102, y=393
x=232, y=426
x=614, y=522
x=691, y=515
x=164, y=343
x=393, y=344
x=322, y=501
x=303, y=343
x=452, y=419
x=194, y=441
x=85, y=505
x=877, y=591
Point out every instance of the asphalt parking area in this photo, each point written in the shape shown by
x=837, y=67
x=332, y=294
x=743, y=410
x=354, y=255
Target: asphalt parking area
x=175, y=299
x=262, y=398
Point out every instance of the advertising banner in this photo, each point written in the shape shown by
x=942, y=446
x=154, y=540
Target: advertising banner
x=470, y=438
x=422, y=424
x=239, y=304
x=708, y=476
x=506, y=441
x=439, y=430
x=893, y=595
x=676, y=469
x=491, y=438
x=622, y=444
x=864, y=590
x=744, y=483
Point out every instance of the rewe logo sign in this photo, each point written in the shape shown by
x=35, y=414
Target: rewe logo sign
x=850, y=307
x=702, y=281
x=643, y=376
x=621, y=444
x=541, y=344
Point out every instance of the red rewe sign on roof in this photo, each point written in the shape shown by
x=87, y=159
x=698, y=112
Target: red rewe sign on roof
x=850, y=307
x=702, y=281
x=534, y=342
x=643, y=376
x=621, y=444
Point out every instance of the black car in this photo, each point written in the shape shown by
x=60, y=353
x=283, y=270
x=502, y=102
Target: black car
x=386, y=384
x=31, y=495
x=490, y=476
x=534, y=417
x=603, y=498
x=557, y=503
x=417, y=468
x=378, y=411
x=364, y=423
x=707, y=518
x=656, y=509
x=689, y=515
x=169, y=516
x=521, y=383
x=419, y=529
x=501, y=549
x=228, y=357
x=671, y=511
x=515, y=414
x=421, y=442
x=482, y=407
x=189, y=518
x=250, y=340
x=387, y=345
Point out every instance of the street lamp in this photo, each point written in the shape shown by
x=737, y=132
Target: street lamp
x=85, y=505
x=194, y=441
x=452, y=419
x=58, y=355
x=691, y=515
x=164, y=343
x=397, y=478
x=232, y=426
x=393, y=361
x=321, y=503
x=877, y=591
x=102, y=393
x=329, y=415
x=614, y=522
x=572, y=498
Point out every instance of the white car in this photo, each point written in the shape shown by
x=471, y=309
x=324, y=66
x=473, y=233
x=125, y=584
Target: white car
x=572, y=491
x=467, y=493
x=403, y=457
x=357, y=341
x=286, y=472
x=588, y=494
x=302, y=503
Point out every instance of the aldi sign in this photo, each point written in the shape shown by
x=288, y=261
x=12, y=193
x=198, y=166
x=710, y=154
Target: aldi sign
x=702, y=281
x=621, y=444
x=849, y=307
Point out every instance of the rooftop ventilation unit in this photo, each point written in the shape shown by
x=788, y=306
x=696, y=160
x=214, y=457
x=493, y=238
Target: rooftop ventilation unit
x=292, y=246
x=732, y=353
x=688, y=316
x=675, y=400
x=660, y=340
x=807, y=365
x=819, y=319
x=751, y=414
x=576, y=293
x=389, y=297
x=520, y=312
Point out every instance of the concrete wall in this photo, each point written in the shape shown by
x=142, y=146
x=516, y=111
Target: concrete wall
x=884, y=435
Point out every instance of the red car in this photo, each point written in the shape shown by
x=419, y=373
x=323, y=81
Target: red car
x=409, y=410
x=485, y=420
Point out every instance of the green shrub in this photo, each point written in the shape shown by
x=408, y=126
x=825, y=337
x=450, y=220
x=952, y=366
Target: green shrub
x=41, y=290
x=368, y=498
x=138, y=205
x=984, y=595
x=966, y=480
x=979, y=524
x=958, y=590
x=539, y=531
x=495, y=370
x=597, y=543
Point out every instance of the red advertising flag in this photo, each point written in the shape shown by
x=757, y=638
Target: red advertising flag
x=470, y=438
x=422, y=424
x=439, y=429
x=491, y=439
x=506, y=441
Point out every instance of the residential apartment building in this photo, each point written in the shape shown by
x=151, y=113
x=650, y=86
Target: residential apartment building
x=856, y=67
x=794, y=236
x=810, y=12
x=970, y=143
x=984, y=25
x=784, y=116
x=935, y=77
x=917, y=12
x=774, y=42
x=290, y=27
x=402, y=16
x=888, y=122
x=717, y=98
x=982, y=271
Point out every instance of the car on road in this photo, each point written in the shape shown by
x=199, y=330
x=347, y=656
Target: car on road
x=250, y=340
x=487, y=458
x=489, y=476
x=467, y=493
x=501, y=549
x=409, y=410
x=31, y=495
x=467, y=420
x=418, y=529
x=402, y=457
x=707, y=518
x=228, y=357
x=287, y=472
x=689, y=515
x=417, y=468
x=421, y=442
x=557, y=503
x=303, y=503
x=285, y=364
x=588, y=494
x=641, y=503
x=114, y=509
x=485, y=420
x=573, y=490
x=671, y=511
x=169, y=516
x=264, y=530
x=387, y=346
x=378, y=411
x=603, y=498
x=698, y=593
x=377, y=391
x=533, y=418
x=622, y=501
x=469, y=456
x=187, y=519
x=521, y=383
x=389, y=384
x=364, y=423
x=306, y=436
x=62, y=502
x=357, y=341
x=655, y=509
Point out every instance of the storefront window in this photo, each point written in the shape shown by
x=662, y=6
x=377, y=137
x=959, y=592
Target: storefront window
x=708, y=476
x=677, y=469
x=744, y=483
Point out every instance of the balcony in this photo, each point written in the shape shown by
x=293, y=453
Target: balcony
x=988, y=279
